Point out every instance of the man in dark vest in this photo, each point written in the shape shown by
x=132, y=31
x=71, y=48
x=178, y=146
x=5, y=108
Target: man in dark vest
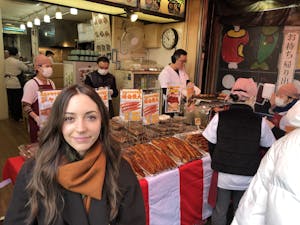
x=235, y=137
x=102, y=78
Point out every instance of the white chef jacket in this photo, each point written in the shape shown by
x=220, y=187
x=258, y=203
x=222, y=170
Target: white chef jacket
x=13, y=67
x=169, y=77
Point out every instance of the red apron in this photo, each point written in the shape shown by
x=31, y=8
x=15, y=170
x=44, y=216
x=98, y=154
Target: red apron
x=276, y=119
x=33, y=127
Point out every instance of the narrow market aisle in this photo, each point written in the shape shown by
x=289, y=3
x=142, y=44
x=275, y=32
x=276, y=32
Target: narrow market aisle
x=12, y=134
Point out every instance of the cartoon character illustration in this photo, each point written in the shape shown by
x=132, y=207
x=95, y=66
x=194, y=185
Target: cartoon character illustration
x=267, y=43
x=233, y=45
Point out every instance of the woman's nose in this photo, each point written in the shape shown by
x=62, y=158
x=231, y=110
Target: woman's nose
x=80, y=125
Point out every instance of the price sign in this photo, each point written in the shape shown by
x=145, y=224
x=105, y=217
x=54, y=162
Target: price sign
x=131, y=104
x=45, y=102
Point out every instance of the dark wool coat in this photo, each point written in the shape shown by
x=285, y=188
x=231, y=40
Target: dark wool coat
x=131, y=204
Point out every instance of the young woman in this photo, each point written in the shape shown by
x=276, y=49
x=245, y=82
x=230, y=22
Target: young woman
x=76, y=177
x=41, y=81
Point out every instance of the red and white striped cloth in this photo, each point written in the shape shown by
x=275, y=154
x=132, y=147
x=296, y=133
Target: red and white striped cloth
x=179, y=196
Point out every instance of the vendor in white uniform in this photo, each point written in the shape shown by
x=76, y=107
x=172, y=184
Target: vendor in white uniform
x=174, y=74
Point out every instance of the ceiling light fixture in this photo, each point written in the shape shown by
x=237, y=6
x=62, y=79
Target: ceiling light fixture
x=46, y=17
x=58, y=14
x=29, y=24
x=37, y=21
x=22, y=26
x=134, y=17
x=73, y=11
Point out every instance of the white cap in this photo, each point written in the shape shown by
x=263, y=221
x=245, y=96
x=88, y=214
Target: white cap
x=293, y=115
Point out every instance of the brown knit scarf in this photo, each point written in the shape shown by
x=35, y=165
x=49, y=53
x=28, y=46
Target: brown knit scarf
x=85, y=176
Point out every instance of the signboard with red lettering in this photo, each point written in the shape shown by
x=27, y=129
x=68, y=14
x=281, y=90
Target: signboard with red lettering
x=173, y=99
x=45, y=101
x=131, y=104
x=103, y=93
x=151, y=108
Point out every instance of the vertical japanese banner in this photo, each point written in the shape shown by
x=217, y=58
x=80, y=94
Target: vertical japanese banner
x=150, y=108
x=288, y=55
x=45, y=101
x=173, y=99
x=131, y=104
x=103, y=93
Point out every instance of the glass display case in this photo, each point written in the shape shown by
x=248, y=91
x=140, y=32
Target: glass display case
x=130, y=79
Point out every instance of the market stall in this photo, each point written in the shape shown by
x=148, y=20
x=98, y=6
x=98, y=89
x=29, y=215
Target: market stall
x=169, y=157
x=177, y=196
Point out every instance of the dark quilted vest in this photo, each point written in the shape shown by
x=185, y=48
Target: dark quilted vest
x=238, y=138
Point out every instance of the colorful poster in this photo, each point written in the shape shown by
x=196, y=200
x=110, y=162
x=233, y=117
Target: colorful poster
x=103, y=93
x=131, y=104
x=102, y=33
x=45, y=101
x=288, y=55
x=83, y=72
x=232, y=46
x=151, y=108
x=173, y=99
x=169, y=7
x=268, y=42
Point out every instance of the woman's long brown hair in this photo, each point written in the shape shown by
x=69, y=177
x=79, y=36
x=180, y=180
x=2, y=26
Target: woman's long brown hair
x=43, y=187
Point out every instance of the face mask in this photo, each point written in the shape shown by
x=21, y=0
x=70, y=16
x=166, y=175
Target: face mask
x=47, y=72
x=279, y=102
x=103, y=71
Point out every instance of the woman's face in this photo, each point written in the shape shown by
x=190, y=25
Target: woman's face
x=82, y=123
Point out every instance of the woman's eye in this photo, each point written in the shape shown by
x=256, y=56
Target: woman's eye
x=68, y=118
x=92, y=117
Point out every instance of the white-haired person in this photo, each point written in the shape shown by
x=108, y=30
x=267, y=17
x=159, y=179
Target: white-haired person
x=235, y=139
x=273, y=197
x=283, y=100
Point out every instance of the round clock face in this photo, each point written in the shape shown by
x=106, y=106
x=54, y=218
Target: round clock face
x=169, y=38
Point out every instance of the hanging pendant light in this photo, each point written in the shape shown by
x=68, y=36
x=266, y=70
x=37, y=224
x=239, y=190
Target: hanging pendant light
x=22, y=26
x=46, y=17
x=37, y=21
x=29, y=24
x=73, y=11
x=58, y=14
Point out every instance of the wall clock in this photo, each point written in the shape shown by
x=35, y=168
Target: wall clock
x=169, y=38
